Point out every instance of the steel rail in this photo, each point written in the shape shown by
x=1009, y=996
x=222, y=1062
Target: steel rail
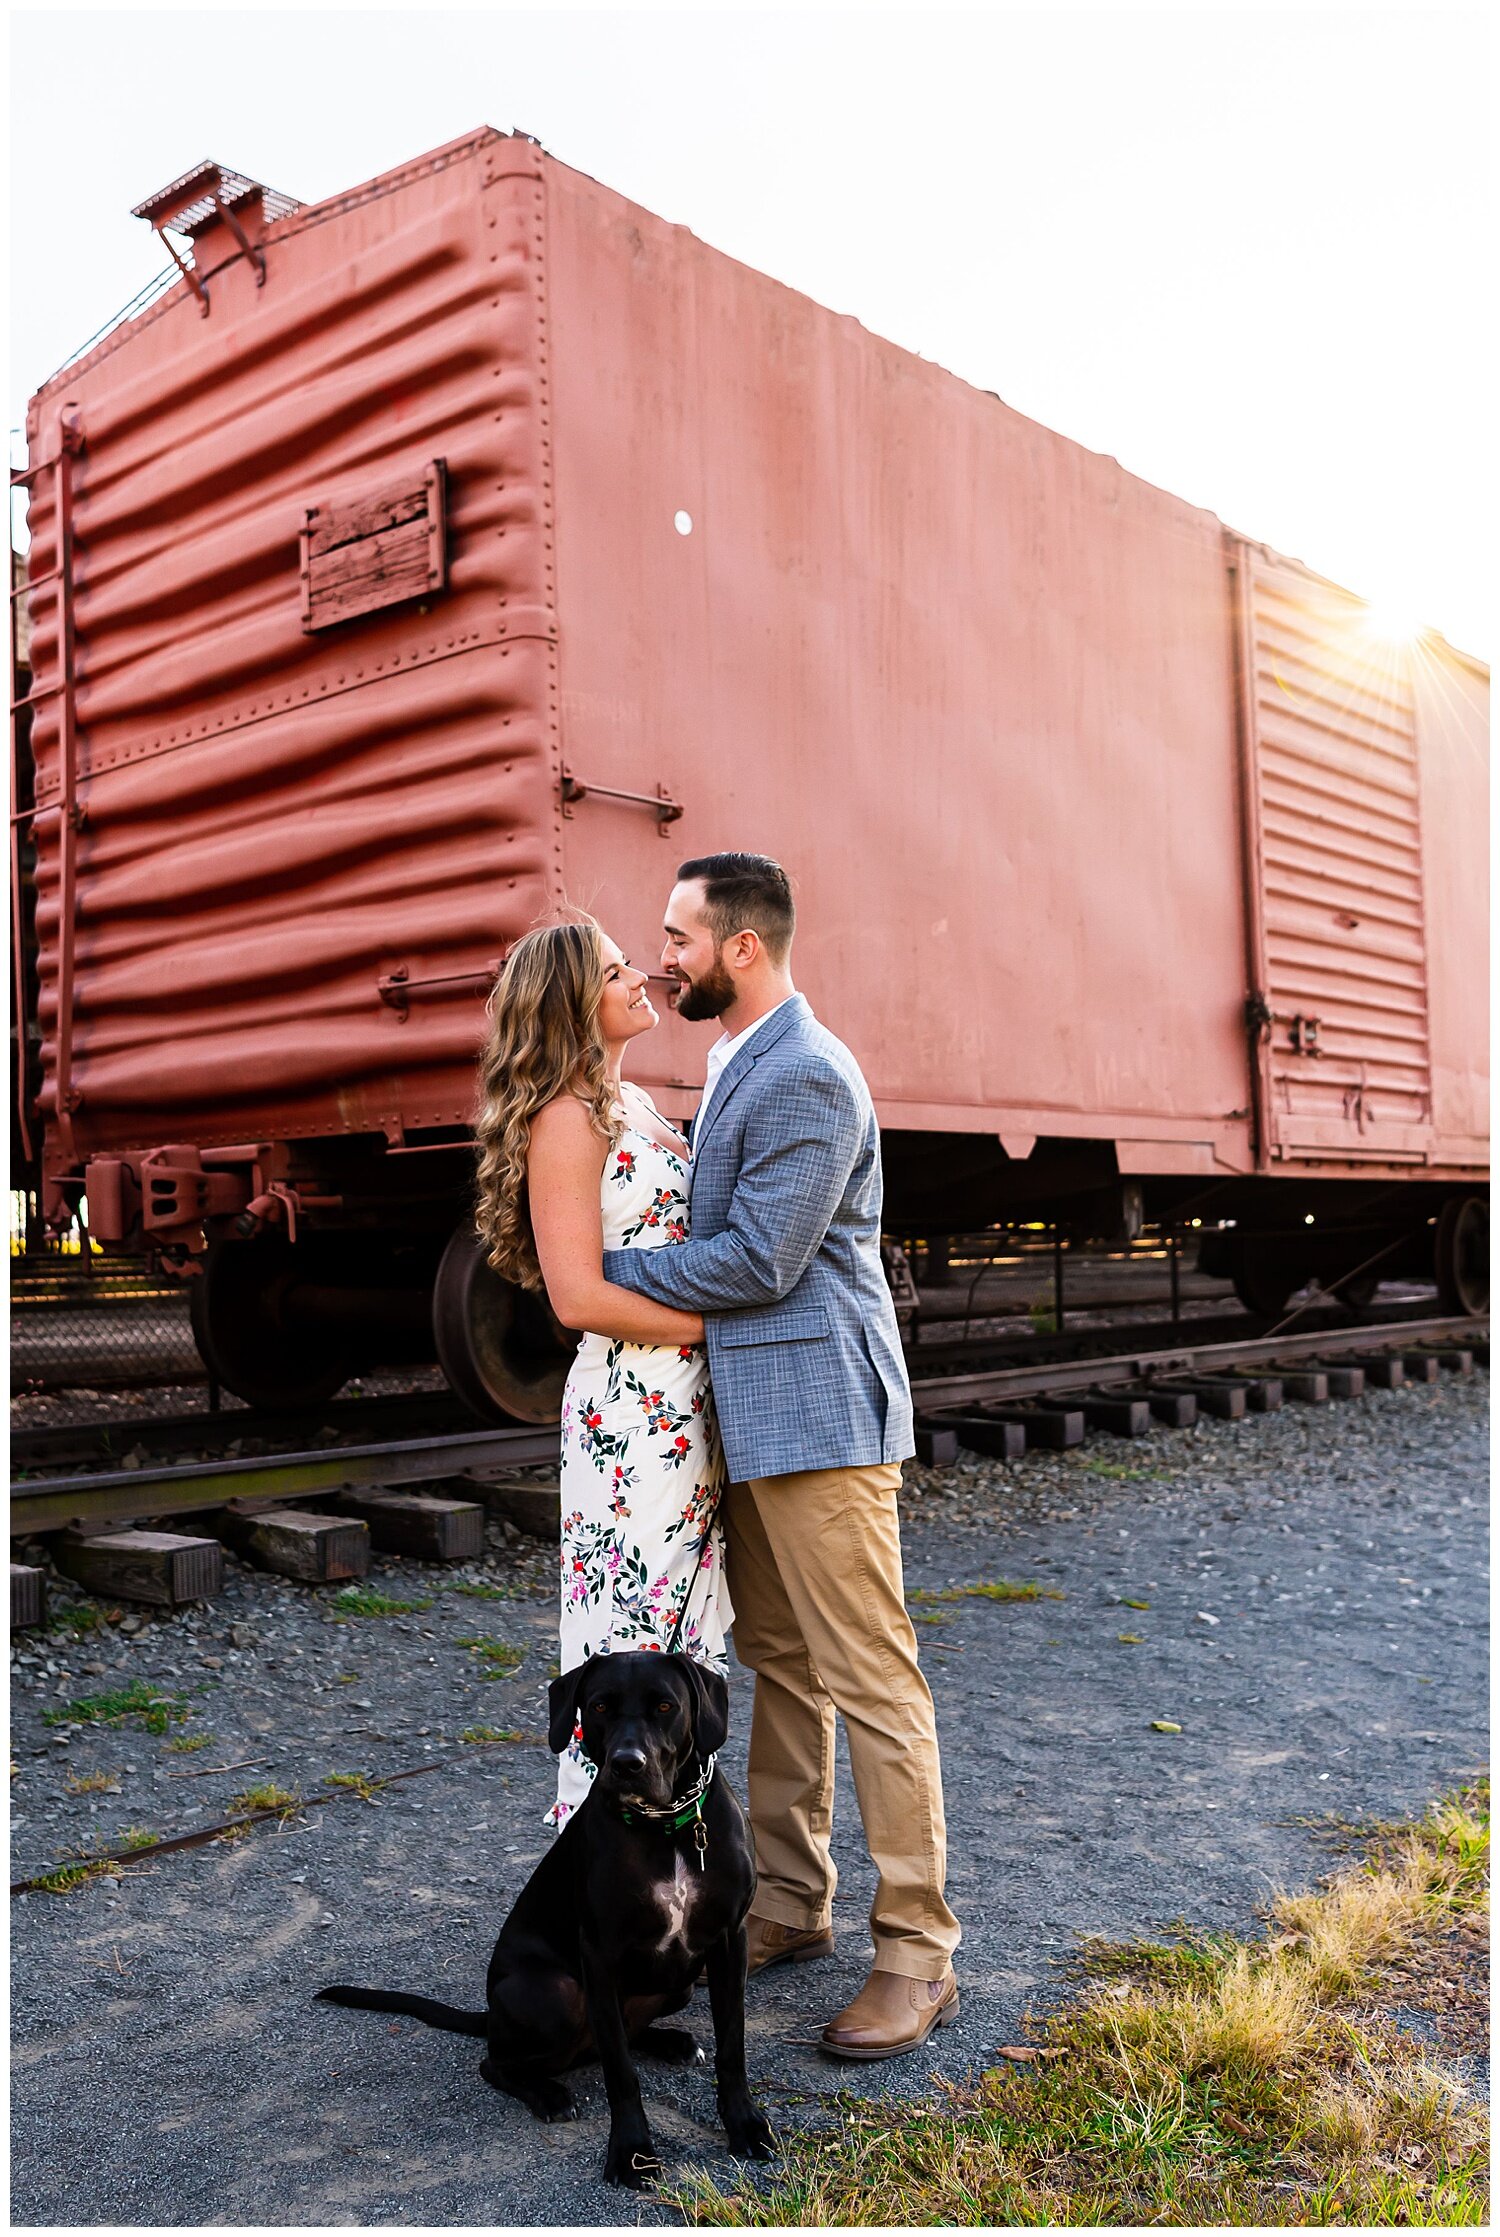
x=125, y=1495
x=1178, y=1359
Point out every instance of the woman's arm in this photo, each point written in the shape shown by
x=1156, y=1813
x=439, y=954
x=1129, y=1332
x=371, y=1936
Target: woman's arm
x=563, y=1170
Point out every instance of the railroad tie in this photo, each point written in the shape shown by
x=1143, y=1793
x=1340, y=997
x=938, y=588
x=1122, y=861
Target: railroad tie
x=418, y=1523
x=28, y=1597
x=316, y=1549
x=157, y=1567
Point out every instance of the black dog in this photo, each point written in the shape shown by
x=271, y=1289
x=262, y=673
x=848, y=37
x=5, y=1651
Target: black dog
x=646, y=1884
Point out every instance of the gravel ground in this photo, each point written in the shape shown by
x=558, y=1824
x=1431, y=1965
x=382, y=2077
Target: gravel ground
x=1316, y=1626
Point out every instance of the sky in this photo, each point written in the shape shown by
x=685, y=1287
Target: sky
x=1242, y=251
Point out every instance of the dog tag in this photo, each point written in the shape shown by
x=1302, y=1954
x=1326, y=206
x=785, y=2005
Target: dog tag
x=700, y=1838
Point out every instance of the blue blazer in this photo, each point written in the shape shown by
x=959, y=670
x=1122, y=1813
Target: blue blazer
x=784, y=1260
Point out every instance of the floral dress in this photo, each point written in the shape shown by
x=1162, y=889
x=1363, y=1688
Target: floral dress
x=642, y=1468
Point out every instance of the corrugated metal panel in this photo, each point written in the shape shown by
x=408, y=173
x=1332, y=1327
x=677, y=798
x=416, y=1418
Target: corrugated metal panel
x=1339, y=845
x=273, y=821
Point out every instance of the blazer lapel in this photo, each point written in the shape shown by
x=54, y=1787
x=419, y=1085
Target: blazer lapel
x=791, y=1013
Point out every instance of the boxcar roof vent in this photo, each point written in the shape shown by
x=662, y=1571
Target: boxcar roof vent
x=201, y=195
x=209, y=198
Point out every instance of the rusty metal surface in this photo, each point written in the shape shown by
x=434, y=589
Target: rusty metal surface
x=709, y=547
x=53, y=1503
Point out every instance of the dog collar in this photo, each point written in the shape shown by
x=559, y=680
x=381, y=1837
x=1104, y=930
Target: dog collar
x=683, y=1809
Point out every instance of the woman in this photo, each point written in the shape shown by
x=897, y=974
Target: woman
x=575, y=1160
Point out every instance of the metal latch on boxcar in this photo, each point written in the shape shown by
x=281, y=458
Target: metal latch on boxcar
x=1302, y=1031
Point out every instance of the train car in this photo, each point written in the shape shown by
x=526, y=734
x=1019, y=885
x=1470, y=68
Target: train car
x=474, y=543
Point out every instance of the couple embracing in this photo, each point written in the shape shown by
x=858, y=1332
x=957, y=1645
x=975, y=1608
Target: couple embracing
x=738, y=1410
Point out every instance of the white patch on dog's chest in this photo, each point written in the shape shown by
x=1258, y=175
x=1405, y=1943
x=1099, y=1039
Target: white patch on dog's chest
x=676, y=1898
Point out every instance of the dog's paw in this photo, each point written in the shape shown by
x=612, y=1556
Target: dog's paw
x=631, y=2169
x=674, y=2044
x=751, y=2136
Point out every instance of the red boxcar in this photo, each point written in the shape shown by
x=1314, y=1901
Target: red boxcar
x=475, y=542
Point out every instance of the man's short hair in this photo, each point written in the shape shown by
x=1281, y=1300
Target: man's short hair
x=745, y=893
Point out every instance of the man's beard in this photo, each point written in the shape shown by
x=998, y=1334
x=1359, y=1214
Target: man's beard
x=708, y=997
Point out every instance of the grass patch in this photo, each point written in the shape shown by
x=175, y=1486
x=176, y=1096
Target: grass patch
x=188, y=1743
x=362, y=1783
x=481, y=1735
x=267, y=1797
x=79, y=1622
x=358, y=1600
x=497, y=1657
x=138, y=1837
x=67, y=1877
x=90, y=1782
x=489, y=1592
x=1208, y=2082
x=995, y=1588
x=156, y=1711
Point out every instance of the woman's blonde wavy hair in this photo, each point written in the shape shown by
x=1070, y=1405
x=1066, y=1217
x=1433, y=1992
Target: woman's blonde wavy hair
x=544, y=1041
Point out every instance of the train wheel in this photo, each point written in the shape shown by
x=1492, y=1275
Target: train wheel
x=1263, y=1286
x=246, y=1336
x=501, y=1348
x=1462, y=1254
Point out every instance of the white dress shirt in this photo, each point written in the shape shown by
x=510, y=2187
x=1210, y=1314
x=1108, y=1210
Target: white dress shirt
x=718, y=1056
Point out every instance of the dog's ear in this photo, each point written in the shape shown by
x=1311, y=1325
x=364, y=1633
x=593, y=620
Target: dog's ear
x=710, y=1694
x=562, y=1705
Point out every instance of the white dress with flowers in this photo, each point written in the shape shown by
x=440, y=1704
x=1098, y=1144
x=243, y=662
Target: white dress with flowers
x=642, y=1467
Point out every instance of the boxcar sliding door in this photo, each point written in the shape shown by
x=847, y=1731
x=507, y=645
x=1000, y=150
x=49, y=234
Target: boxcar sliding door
x=1338, y=926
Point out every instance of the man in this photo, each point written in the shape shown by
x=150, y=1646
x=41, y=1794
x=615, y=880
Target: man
x=815, y=1413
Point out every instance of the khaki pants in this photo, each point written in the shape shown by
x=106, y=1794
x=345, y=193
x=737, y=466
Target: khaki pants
x=814, y=1566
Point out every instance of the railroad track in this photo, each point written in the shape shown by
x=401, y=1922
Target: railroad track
x=1107, y=1377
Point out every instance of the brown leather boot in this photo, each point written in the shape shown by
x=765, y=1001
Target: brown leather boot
x=890, y=2015
x=774, y=1944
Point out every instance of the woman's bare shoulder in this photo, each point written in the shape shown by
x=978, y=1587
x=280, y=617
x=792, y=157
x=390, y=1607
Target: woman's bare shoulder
x=566, y=1125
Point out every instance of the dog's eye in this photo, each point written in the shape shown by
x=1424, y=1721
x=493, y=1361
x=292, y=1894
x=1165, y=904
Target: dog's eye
x=665, y=1708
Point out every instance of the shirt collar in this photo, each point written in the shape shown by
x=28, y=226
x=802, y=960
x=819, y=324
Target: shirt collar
x=726, y=1044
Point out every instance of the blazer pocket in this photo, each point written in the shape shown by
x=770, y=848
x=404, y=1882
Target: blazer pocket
x=793, y=1328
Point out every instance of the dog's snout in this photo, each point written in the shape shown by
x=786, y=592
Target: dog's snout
x=627, y=1761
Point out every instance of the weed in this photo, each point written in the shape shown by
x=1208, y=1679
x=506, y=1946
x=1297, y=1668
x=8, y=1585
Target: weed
x=267, y=1797
x=138, y=1837
x=489, y=1592
x=87, y=1617
x=480, y=1735
x=70, y=1876
x=997, y=1588
x=931, y=1615
x=188, y=1743
x=1213, y=2081
x=498, y=1656
x=157, y=1711
x=360, y=1600
x=90, y=1782
x=362, y=1783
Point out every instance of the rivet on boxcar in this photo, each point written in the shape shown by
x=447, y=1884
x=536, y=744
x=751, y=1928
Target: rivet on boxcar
x=683, y=523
